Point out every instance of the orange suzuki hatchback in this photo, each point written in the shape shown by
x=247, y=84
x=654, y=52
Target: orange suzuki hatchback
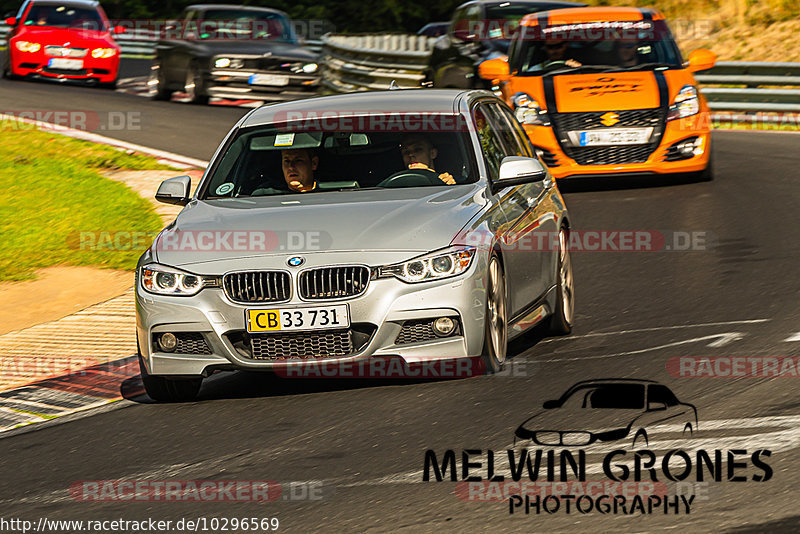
x=605, y=91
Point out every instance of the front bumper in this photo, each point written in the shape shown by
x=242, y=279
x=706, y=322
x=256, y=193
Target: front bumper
x=383, y=308
x=35, y=65
x=235, y=84
x=658, y=162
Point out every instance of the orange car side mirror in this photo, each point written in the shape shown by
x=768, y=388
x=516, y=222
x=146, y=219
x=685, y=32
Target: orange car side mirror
x=495, y=69
x=701, y=59
x=11, y=21
x=118, y=30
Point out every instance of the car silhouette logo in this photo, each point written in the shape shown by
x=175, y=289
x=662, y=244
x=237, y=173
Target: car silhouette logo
x=607, y=410
x=609, y=119
x=296, y=261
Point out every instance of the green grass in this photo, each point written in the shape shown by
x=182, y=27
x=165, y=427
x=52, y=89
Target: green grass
x=52, y=189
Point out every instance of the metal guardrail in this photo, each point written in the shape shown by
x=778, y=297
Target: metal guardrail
x=372, y=62
x=141, y=43
x=753, y=75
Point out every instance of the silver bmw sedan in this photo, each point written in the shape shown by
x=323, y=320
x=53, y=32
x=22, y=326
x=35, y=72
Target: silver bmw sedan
x=409, y=225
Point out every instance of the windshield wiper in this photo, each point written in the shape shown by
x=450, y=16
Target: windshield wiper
x=576, y=70
x=654, y=65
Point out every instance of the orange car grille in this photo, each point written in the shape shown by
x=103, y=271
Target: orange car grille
x=610, y=155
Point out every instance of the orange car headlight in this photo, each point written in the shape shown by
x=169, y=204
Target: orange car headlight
x=528, y=111
x=687, y=103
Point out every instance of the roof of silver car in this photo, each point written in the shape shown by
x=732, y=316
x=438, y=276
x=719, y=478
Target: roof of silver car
x=398, y=101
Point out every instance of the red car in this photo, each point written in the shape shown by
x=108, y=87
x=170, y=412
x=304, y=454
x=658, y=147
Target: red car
x=63, y=40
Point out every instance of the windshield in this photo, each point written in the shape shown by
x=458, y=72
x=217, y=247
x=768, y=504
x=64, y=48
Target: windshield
x=607, y=396
x=63, y=16
x=266, y=161
x=598, y=46
x=233, y=23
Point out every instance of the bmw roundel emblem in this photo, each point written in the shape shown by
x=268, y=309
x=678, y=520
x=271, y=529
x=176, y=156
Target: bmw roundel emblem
x=296, y=261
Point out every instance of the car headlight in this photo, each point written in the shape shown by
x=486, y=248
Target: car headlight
x=98, y=53
x=433, y=266
x=226, y=62
x=528, y=111
x=163, y=280
x=687, y=103
x=26, y=46
x=308, y=68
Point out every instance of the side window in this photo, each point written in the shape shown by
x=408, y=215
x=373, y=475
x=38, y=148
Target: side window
x=658, y=393
x=492, y=146
x=506, y=131
x=519, y=132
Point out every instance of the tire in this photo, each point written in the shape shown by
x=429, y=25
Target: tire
x=162, y=389
x=6, y=73
x=194, y=86
x=112, y=86
x=157, y=84
x=707, y=174
x=495, y=344
x=564, y=313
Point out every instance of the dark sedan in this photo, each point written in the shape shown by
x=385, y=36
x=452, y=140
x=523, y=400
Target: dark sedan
x=479, y=30
x=233, y=52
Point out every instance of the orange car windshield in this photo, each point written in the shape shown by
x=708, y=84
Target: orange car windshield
x=599, y=46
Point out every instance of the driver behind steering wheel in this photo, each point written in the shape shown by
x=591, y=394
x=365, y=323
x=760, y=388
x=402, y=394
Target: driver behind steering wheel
x=556, y=50
x=418, y=153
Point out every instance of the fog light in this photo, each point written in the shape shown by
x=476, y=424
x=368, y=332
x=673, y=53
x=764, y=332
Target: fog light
x=443, y=326
x=168, y=342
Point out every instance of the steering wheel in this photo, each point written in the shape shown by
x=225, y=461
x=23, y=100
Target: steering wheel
x=412, y=178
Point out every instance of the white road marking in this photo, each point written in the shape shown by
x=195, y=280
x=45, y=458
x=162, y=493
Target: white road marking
x=793, y=337
x=725, y=337
x=657, y=328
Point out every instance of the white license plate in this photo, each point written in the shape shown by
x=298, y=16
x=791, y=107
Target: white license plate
x=65, y=63
x=616, y=136
x=268, y=79
x=287, y=319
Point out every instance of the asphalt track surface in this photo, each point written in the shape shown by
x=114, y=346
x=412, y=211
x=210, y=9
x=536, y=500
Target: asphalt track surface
x=362, y=443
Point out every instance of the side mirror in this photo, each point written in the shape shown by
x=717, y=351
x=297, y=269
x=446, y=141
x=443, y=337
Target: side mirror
x=175, y=190
x=515, y=170
x=495, y=69
x=11, y=21
x=656, y=406
x=701, y=59
x=118, y=30
x=549, y=405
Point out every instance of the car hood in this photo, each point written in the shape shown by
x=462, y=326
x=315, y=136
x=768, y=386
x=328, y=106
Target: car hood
x=414, y=220
x=606, y=91
x=75, y=37
x=580, y=419
x=278, y=49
